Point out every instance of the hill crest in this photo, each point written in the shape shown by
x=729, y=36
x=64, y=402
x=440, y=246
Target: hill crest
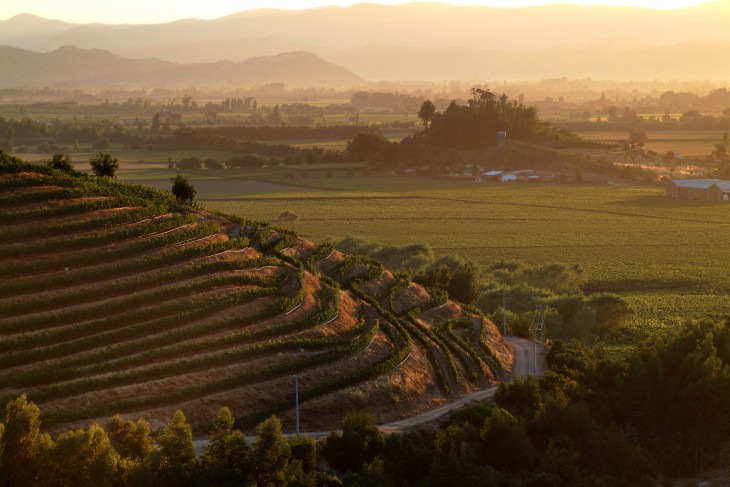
x=116, y=298
x=77, y=67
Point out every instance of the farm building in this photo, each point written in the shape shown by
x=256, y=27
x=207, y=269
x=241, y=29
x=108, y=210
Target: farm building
x=699, y=189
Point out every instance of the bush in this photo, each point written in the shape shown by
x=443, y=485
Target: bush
x=612, y=312
x=182, y=189
x=104, y=164
x=212, y=164
x=557, y=277
x=248, y=160
x=62, y=162
x=189, y=163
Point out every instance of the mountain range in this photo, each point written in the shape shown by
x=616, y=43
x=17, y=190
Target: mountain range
x=73, y=67
x=426, y=41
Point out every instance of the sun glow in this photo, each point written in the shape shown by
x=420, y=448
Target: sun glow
x=143, y=11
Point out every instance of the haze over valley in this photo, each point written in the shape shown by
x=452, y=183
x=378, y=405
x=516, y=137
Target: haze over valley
x=425, y=41
x=418, y=245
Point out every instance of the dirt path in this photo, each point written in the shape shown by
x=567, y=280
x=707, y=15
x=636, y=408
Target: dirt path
x=524, y=364
x=525, y=361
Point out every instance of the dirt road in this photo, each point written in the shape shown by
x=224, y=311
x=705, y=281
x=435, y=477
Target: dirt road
x=526, y=363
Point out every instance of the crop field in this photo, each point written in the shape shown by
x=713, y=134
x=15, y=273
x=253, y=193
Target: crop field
x=669, y=258
x=116, y=298
x=685, y=142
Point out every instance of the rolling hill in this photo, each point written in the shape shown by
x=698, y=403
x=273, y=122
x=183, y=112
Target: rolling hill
x=116, y=298
x=74, y=67
x=426, y=41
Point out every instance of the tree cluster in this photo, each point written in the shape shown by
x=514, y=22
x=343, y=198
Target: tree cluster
x=589, y=420
x=571, y=313
x=128, y=453
x=475, y=125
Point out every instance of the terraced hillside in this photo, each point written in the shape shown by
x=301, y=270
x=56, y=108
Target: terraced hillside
x=116, y=298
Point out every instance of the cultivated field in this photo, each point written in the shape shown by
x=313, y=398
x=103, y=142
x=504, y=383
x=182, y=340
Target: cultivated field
x=685, y=142
x=669, y=258
x=116, y=298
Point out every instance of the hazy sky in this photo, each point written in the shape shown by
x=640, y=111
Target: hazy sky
x=156, y=11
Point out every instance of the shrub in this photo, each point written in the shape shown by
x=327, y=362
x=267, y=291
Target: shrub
x=61, y=162
x=104, y=164
x=189, y=163
x=182, y=189
x=611, y=312
x=213, y=164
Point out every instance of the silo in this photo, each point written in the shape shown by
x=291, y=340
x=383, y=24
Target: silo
x=501, y=141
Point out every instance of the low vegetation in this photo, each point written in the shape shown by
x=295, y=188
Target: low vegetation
x=589, y=420
x=123, y=299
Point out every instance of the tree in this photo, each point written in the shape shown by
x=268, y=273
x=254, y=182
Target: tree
x=304, y=450
x=722, y=150
x=182, y=189
x=427, y=112
x=156, y=122
x=366, y=146
x=23, y=444
x=637, y=139
x=464, y=284
x=62, y=162
x=103, y=164
x=131, y=440
x=84, y=458
x=520, y=397
x=612, y=311
x=177, y=453
x=226, y=457
x=270, y=455
x=361, y=441
x=276, y=116
x=505, y=443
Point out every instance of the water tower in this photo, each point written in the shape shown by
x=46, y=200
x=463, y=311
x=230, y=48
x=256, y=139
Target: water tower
x=501, y=141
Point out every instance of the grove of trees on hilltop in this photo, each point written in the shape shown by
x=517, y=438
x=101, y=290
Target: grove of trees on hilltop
x=475, y=125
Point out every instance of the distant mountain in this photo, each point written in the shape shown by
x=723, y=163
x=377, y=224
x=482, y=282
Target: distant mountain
x=75, y=67
x=686, y=61
x=427, y=41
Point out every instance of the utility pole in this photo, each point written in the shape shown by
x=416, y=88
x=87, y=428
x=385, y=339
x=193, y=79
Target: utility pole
x=504, y=313
x=538, y=330
x=296, y=387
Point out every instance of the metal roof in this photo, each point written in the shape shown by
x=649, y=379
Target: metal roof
x=702, y=183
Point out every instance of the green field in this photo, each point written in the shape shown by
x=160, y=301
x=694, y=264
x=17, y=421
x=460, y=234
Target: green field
x=669, y=258
x=685, y=142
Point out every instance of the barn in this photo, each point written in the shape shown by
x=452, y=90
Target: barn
x=699, y=189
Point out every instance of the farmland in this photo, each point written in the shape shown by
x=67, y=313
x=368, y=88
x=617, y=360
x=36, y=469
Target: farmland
x=667, y=257
x=694, y=143
x=118, y=298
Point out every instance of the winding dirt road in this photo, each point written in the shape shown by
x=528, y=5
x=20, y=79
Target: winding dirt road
x=526, y=363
